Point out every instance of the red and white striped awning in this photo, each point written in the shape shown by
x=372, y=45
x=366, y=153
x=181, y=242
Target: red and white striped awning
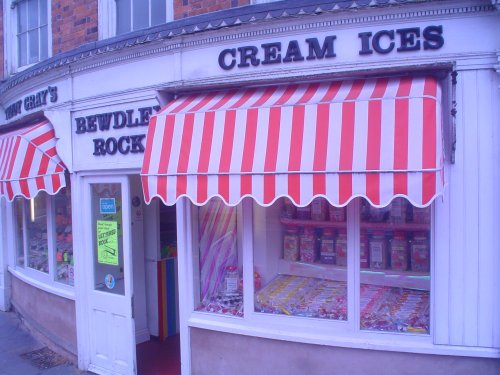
x=29, y=162
x=376, y=139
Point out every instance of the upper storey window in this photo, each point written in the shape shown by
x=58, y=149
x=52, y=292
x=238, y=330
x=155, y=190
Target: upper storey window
x=117, y=17
x=32, y=31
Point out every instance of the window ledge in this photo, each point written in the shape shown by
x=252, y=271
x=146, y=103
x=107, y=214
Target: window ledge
x=361, y=340
x=58, y=290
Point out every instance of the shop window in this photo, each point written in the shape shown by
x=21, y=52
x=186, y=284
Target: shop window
x=300, y=260
x=395, y=267
x=32, y=31
x=43, y=236
x=218, y=260
x=139, y=14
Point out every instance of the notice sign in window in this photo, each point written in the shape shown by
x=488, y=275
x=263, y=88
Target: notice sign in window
x=107, y=206
x=107, y=242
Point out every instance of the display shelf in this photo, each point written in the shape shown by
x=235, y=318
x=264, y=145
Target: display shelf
x=403, y=279
x=397, y=279
x=364, y=225
x=317, y=269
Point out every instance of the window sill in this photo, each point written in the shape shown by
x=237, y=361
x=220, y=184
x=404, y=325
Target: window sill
x=407, y=343
x=60, y=290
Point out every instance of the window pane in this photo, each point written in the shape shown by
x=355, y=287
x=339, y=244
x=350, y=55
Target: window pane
x=140, y=14
x=23, y=49
x=218, y=263
x=395, y=272
x=33, y=46
x=109, y=275
x=64, y=236
x=22, y=17
x=18, y=212
x=32, y=14
x=158, y=12
x=44, y=39
x=43, y=12
x=37, y=233
x=300, y=259
x=123, y=17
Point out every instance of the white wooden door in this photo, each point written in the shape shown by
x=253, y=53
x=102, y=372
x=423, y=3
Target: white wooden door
x=110, y=284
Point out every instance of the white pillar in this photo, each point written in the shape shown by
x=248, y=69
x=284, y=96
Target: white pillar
x=4, y=275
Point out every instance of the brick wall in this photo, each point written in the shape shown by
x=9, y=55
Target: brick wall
x=2, y=68
x=74, y=22
x=186, y=8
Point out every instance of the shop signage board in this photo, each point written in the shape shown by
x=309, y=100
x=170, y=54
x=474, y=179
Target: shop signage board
x=107, y=242
x=31, y=102
x=113, y=137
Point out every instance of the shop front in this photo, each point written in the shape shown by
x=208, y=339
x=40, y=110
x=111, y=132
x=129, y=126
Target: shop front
x=295, y=195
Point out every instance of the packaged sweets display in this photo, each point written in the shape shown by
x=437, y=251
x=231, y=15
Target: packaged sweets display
x=308, y=245
x=420, y=252
x=399, y=252
x=319, y=209
x=422, y=215
x=383, y=308
x=398, y=211
x=378, y=251
x=327, y=248
x=341, y=248
x=391, y=309
x=336, y=213
x=304, y=213
x=364, y=253
x=291, y=244
x=289, y=209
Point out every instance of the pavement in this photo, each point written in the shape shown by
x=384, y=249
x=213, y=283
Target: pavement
x=22, y=354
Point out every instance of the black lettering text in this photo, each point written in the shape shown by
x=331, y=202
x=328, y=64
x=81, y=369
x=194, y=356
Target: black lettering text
x=248, y=53
x=409, y=39
x=272, y=53
x=317, y=52
x=222, y=59
x=433, y=37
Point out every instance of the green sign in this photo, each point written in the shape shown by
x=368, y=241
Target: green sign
x=107, y=242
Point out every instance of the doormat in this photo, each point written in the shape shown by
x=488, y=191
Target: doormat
x=44, y=358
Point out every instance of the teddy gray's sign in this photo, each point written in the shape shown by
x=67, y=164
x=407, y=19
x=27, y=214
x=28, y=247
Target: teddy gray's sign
x=29, y=102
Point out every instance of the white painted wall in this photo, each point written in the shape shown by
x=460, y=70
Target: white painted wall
x=4, y=276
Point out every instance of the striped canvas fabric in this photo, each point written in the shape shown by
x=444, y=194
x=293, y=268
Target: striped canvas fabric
x=376, y=139
x=29, y=162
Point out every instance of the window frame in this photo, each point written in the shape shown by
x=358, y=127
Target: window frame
x=107, y=17
x=45, y=281
x=11, y=46
x=294, y=328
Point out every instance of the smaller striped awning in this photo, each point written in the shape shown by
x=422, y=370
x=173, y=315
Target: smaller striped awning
x=376, y=138
x=29, y=162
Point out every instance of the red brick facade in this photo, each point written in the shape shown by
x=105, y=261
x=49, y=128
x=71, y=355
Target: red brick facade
x=74, y=22
x=186, y=8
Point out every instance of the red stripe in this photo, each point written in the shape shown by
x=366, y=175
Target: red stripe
x=145, y=188
x=40, y=183
x=13, y=158
x=287, y=94
x=332, y=92
x=149, y=146
x=184, y=104
x=309, y=93
x=429, y=140
x=28, y=160
x=374, y=141
x=51, y=152
x=203, y=102
x=247, y=94
x=271, y=153
x=166, y=148
x=401, y=136
x=44, y=165
x=223, y=100
x=321, y=147
x=33, y=128
x=249, y=150
x=56, y=182
x=226, y=153
x=204, y=159
x=268, y=92
x=10, y=193
x=184, y=152
x=25, y=190
x=45, y=137
x=295, y=151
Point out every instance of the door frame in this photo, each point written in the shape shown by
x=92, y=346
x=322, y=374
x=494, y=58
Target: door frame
x=84, y=258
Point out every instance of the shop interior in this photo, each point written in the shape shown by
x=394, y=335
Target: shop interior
x=156, y=305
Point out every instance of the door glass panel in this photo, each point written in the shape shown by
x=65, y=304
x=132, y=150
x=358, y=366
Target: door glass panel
x=107, y=236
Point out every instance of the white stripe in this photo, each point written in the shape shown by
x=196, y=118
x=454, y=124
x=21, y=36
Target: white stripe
x=261, y=140
x=309, y=138
x=173, y=163
x=194, y=157
x=285, y=146
x=360, y=136
x=415, y=134
x=334, y=137
x=387, y=135
x=241, y=123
